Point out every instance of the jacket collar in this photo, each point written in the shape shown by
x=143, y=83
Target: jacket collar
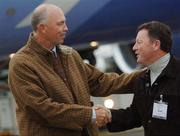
x=33, y=44
x=169, y=71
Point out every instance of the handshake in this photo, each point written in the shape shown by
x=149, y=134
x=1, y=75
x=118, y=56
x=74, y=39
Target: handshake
x=103, y=115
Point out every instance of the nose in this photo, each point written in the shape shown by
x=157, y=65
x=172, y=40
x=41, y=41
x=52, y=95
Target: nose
x=134, y=47
x=65, y=27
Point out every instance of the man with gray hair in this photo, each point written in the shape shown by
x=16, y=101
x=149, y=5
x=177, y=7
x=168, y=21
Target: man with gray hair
x=52, y=85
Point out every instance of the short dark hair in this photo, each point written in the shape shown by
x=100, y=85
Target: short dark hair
x=160, y=31
x=38, y=17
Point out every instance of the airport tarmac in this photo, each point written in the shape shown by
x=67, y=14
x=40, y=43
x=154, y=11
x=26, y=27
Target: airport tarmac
x=132, y=132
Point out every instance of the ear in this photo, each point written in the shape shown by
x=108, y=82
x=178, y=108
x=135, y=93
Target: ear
x=157, y=45
x=41, y=28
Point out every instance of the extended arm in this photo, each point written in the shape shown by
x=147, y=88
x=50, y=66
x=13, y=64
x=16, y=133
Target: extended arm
x=31, y=96
x=124, y=119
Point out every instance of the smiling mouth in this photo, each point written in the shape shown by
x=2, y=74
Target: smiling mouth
x=63, y=36
x=137, y=55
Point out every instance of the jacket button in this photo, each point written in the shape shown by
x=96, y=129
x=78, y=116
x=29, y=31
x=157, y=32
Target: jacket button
x=147, y=85
x=149, y=121
x=155, y=83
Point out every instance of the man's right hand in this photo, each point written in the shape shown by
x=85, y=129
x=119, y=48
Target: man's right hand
x=103, y=115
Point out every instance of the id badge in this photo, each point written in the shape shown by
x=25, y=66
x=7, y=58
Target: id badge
x=160, y=110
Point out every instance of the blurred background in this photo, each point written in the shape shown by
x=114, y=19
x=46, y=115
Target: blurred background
x=102, y=31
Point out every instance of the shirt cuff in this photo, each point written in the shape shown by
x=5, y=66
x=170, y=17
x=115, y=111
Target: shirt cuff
x=93, y=115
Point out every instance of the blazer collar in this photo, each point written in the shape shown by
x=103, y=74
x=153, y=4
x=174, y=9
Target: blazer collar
x=33, y=44
x=169, y=71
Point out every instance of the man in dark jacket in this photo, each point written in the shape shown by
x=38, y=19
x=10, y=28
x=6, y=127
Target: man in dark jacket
x=156, y=103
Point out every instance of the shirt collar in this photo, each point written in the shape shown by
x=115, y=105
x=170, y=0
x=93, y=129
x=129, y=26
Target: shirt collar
x=160, y=64
x=54, y=50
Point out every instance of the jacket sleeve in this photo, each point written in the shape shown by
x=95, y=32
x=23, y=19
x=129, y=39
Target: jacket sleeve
x=31, y=96
x=104, y=84
x=124, y=119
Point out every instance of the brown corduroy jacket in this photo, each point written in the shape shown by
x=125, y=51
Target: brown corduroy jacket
x=49, y=104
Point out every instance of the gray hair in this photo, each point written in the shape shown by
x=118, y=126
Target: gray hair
x=39, y=15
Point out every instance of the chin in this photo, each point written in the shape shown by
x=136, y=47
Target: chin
x=61, y=41
x=140, y=62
